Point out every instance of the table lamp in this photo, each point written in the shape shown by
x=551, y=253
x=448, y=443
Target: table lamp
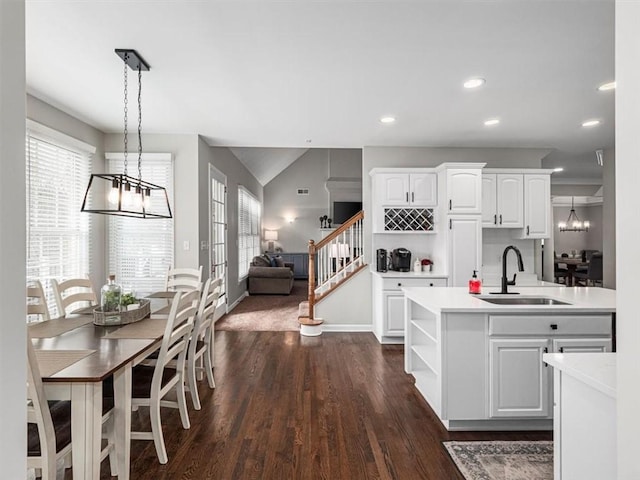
x=270, y=236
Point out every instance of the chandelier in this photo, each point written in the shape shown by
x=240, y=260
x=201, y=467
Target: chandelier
x=573, y=223
x=119, y=193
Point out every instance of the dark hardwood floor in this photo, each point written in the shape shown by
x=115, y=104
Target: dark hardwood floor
x=333, y=407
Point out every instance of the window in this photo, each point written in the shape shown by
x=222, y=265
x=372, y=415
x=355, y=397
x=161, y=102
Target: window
x=248, y=230
x=141, y=250
x=58, y=234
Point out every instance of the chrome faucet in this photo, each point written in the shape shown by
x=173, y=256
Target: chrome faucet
x=506, y=282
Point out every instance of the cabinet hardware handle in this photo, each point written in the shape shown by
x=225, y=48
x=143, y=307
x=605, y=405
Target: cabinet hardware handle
x=406, y=196
x=431, y=284
x=450, y=224
x=527, y=229
x=412, y=196
x=399, y=284
x=500, y=219
x=546, y=350
x=449, y=204
x=561, y=349
x=495, y=219
x=554, y=326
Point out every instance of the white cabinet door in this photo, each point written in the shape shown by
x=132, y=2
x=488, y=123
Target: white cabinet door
x=537, y=206
x=392, y=189
x=510, y=194
x=519, y=380
x=582, y=345
x=423, y=189
x=393, y=314
x=464, y=190
x=464, y=249
x=489, y=200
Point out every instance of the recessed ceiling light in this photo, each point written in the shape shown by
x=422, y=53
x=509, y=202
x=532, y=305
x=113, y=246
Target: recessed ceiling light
x=387, y=119
x=474, y=83
x=558, y=169
x=492, y=121
x=591, y=123
x=308, y=140
x=607, y=86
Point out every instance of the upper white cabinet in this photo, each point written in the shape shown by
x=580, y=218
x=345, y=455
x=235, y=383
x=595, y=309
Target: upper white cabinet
x=406, y=189
x=502, y=200
x=464, y=190
x=537, y=206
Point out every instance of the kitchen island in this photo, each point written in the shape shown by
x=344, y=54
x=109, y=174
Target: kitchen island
x=479, y=364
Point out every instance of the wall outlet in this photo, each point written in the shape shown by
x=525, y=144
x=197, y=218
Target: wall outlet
x=204, y=245
x=186, y=245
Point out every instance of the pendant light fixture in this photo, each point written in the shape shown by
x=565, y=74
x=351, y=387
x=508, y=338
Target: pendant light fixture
x=121, y=194
x=573, y=223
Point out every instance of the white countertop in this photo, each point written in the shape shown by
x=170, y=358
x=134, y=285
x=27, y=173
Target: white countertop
x=458, y=299
x=597, y=370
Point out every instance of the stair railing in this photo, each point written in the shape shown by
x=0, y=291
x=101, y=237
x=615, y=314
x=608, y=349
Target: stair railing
x=335, y=258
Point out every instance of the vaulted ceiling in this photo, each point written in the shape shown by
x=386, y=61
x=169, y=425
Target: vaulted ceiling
x=321, y=74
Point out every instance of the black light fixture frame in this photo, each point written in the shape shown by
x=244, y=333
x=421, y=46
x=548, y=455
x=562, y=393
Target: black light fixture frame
x=124, y=182
x=573, y=218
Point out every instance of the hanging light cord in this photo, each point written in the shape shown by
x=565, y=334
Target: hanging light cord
x=126, y=114
x=139, y=122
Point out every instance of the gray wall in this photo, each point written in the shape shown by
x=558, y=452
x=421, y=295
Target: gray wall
x=573, y=190
x=565, y=242
x=609, y=219
x=45, y=114
x=311, y=171
x=184, y=149
x=237, y=174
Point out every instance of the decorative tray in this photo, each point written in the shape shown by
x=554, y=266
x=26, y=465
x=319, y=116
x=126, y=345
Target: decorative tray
x=122, y=318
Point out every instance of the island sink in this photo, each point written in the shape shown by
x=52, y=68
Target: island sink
x=523, y=301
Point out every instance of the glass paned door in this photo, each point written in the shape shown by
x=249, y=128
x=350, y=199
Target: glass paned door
x=218, y=233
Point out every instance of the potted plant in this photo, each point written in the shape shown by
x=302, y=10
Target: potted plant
x=427, y=265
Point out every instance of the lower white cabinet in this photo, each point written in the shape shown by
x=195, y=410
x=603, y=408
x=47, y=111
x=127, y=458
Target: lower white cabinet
x=518, y=377
x=393, y=314
x=581, y=345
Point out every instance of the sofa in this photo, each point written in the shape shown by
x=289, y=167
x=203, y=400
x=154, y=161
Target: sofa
x=270, y=276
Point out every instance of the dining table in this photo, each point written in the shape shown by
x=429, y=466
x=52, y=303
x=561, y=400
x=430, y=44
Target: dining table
x=75, y=358
x=572, y=264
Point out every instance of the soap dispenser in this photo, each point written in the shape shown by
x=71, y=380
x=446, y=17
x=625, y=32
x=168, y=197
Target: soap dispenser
x=475, y=284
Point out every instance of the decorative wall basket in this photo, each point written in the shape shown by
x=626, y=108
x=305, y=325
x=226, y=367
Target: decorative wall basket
x=122, y=318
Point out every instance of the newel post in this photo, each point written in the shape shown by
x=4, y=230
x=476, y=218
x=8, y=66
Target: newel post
x=312, y=277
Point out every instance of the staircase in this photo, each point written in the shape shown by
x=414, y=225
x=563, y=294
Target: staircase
x=332, y=262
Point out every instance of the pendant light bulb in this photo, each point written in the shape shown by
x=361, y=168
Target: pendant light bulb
x=114, y=193
x=126, y=195
x=147, y=199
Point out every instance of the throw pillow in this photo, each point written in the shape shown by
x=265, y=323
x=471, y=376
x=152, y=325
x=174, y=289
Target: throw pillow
x=279, y=261
x=260, y=261
x=273, y=262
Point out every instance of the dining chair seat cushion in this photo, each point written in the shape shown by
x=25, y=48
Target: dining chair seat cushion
x=61, y=417
x=142, y=377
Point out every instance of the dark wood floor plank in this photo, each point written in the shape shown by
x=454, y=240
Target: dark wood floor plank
x=333, y=407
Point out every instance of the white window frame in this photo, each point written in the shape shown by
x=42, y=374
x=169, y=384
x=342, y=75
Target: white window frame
x=249, y=227
x=72, y=226
x=157, y=263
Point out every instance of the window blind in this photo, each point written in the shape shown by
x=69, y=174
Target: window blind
x=249, y=212
x=58, y=234
x=141, y=251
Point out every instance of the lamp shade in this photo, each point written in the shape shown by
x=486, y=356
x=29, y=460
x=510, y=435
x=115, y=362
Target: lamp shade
x=271, y=235
x=340, y=250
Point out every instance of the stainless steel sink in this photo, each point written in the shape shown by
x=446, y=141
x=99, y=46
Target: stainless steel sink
x=517, y=300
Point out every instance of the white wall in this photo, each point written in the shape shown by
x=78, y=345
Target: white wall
x=609, y=219
x=627, y=179
x=565, y=242
x=13, y=414
x=310, y=171
x=494, y=241
x=223, y=159
x=184, y=149
x=45, y=114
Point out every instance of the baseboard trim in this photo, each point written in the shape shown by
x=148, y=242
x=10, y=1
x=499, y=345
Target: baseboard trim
x=347, y=328
x=237, y=302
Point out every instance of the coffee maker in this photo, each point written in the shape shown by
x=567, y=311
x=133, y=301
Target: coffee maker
x=381, y=260
x=401, y=260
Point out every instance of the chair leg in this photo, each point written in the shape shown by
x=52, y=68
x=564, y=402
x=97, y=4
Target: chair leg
x=208, y=366
x=193, y=384
x=182, y=401
x=156, y=429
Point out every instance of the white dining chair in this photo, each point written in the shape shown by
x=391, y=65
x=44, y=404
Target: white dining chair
x=151, y=384
x=200, y=351
x=49, y=425
x=36, y=301
x=183, y=279
x=71, y=292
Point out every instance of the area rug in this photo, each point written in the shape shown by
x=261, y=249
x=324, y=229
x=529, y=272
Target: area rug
x=503, y=460
x=263, y=313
